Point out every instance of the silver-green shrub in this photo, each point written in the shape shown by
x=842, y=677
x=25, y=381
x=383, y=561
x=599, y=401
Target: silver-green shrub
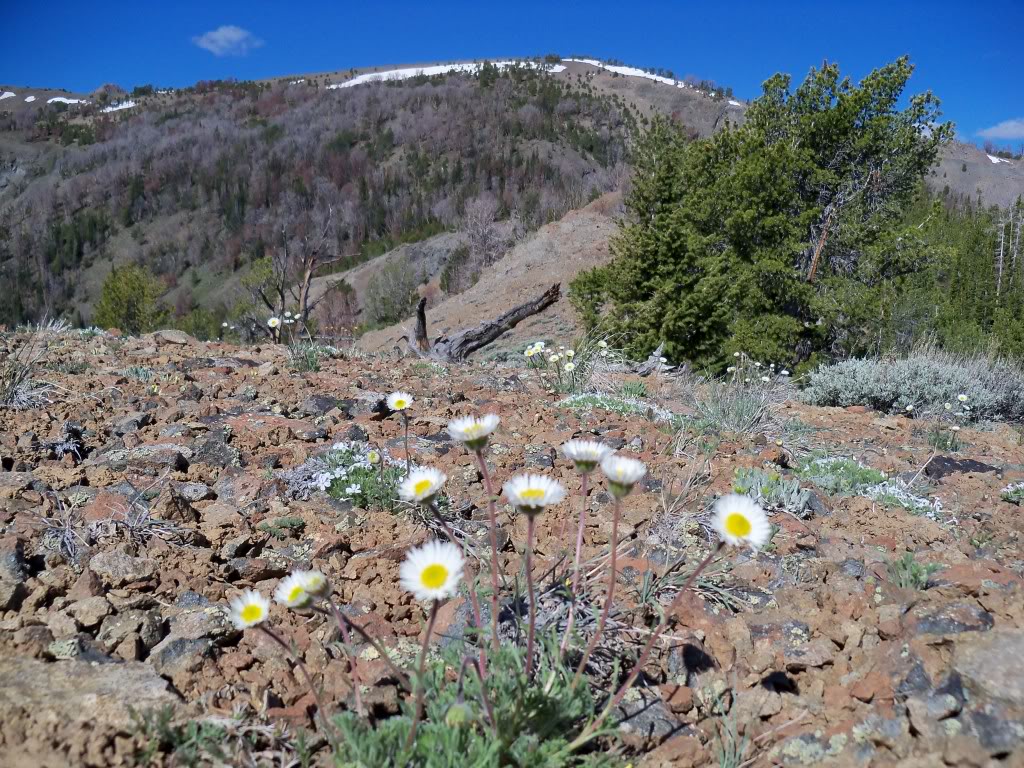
x=925, y=380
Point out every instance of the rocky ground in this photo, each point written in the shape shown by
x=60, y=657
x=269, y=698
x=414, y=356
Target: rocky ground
x=149, y=491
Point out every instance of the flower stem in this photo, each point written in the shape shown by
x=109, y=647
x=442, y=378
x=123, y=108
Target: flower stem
x=591, y=730
x=471, y=581
x=576, y=577
x=307, y=678
x=528, y=562
x=408, y=456
x=493, y=515
x=608, y=597
x=346, y=639
x=420, y=667
x=340, y=618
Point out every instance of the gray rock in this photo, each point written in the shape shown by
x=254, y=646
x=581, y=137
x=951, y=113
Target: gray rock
x=992, y=665
x=172, y=336
x=215, y=452
x=950, y=619
x=194, y=491
x=147, y=625
x=77, y=692
x=645, y=721
x=190, y=640
x=942, y=466
x=152, y=456
x=813, y=654
x=118, y=568
x=12, y=560
x=90, y=611
x=133, y=422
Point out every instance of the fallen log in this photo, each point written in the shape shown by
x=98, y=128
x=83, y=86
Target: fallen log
x=464, y=343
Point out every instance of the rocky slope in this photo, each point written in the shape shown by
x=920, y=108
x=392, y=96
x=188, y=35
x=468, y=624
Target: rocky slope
x=554, y=254
x=150, y=490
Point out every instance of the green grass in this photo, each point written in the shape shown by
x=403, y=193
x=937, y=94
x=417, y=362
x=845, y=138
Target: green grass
x=282, y=527
x=907, y=573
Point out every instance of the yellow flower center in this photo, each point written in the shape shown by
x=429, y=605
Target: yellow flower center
x=474, y=429
x=532, y=494
x=434, y=576
x=421, y=487
x=252, y=612
x=737, y=525
x=296, y=594
x=400, y=403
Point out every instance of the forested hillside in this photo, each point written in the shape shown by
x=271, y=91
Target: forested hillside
x=206, y=186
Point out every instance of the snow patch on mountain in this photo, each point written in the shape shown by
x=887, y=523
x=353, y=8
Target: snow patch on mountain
x=7, y=95
x=437, y=69
x=119, y=107
x=65, y=100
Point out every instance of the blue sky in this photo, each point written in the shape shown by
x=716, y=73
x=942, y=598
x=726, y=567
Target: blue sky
x=965, y=53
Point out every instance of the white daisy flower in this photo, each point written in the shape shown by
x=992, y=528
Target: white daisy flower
x=731, y=369
x=287, y=314
x=399, y=401
x=274, y=322
x=622, y=473
x=585, y=454
x=554, y=359
x=735, y=354
x=472, y=431
x=432, y=571
x=765, y=379
x=739, y=521
x=223, y=325
x=314, y=582
x=602, y=344
x=962, y=398
x=531, y=493
x=955, y=428
x=292, y=593
x=570, y=354
x=662, y=360
x=530, y=352
x=784, y=372
x=373, y=457
x=248, y=609
x=948, y=406
x=910, y=408
x=422, y=485
x=569, y=367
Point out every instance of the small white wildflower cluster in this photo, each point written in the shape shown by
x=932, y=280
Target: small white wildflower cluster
x=537, y=348
x=749, y=371
x=337, y=463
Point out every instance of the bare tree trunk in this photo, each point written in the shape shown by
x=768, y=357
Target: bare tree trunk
x=818, y=249
x=466, y=342
x=999, y=261
x=422, y=342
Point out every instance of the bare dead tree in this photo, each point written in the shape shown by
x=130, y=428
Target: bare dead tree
x=464, y=343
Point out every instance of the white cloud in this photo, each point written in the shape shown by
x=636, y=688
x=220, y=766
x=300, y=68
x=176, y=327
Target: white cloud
x=228, y=40
x=1008, y=129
